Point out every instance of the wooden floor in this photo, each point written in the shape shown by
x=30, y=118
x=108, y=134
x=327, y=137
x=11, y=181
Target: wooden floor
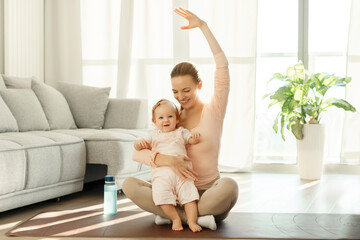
x=258, y=192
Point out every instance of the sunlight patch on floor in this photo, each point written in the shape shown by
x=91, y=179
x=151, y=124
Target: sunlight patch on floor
x=91, y=208
x=104, y=224
x=52, y=215
x=8, y=225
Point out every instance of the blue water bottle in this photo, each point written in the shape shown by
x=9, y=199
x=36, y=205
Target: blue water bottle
x=110, y=196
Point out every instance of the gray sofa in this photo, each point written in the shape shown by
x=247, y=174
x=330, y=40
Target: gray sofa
x=48, y=136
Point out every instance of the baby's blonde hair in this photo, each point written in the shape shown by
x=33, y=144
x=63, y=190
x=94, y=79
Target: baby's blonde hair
x=162, y=102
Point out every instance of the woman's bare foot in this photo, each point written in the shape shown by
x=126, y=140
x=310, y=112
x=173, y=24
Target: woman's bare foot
x=176, y=225
x=194, y=227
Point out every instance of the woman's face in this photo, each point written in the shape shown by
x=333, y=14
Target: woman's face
x=185, y=90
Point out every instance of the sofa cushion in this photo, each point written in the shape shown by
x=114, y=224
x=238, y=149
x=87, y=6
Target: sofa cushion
x=112, y=147
x=26, y=109
x=88, y=104
x=17, y=82
x=2, y=83
x=48, y=158
x=12, y=168
x=7, y=120
x=118, y=134
x=126, y=113
x=55, y=106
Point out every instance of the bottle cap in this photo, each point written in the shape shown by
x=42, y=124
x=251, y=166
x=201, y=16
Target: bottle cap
x=109, y=178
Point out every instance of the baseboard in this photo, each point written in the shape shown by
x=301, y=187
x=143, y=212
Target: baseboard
x=293, y=168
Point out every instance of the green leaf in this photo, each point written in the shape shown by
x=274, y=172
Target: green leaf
x=282, y=127
x=300, y=92
x=278, y=76
x=288, y=120
x=332, y=80
x=329, y=80
x=296, y=129
x=273, y=103
x=281, y=94
x=275, y=125
x=285, y=106
x=321, y=76
x=290, y=105
x=323, y=89
x=309, y=109
x=347, y=80
x=296, y=73
x=314, y=81
x=340, y=103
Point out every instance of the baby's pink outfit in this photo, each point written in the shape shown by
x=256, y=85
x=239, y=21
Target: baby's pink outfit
x=167, y=186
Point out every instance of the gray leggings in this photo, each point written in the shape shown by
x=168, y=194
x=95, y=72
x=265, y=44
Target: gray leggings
x=216, y=200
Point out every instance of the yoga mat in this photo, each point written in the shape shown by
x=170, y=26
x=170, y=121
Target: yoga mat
x=140, y=224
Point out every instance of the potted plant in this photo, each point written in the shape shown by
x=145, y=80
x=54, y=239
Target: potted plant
x=301, y=98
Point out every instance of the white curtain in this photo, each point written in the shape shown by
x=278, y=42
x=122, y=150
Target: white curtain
x=238, y=39
x=125, y=47
x=2, y=36
x=23, y=38
x=350, y=152
x=63, y=57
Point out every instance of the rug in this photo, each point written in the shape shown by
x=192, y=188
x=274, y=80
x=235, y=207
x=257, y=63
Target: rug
x=139, y=224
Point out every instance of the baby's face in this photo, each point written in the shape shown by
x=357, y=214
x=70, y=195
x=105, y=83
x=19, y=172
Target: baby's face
x=165, y=118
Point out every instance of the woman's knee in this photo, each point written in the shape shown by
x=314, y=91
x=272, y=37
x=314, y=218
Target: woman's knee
x=129, y=186
x=229, y=187
x=133, y=186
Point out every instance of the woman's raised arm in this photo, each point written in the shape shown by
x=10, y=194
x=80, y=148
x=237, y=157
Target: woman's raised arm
x=219, y=99
x=194, y=22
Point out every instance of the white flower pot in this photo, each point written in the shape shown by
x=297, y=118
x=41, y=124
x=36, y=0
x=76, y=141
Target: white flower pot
x=310, y=152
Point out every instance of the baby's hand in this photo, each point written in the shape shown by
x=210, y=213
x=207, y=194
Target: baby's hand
x=141, y=144
x=195, y=138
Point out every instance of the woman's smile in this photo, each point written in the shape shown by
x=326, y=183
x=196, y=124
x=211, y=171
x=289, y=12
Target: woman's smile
x=183, y=102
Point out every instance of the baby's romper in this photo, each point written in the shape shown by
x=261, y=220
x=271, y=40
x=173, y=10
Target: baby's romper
x=167, y=186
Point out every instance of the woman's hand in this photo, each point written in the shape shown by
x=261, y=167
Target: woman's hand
x=194, y=21
x=182, y=169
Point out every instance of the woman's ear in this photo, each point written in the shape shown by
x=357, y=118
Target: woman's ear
x=153, y=120
x=199, y=84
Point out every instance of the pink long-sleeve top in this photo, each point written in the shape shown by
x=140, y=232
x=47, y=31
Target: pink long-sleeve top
x=205, y=154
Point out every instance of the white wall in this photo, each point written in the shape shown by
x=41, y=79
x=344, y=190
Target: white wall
x=24, y=38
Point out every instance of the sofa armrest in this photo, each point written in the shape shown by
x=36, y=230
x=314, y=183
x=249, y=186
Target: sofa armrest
x=126, y=113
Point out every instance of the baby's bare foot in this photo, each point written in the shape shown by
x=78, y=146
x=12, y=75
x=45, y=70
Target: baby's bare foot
x=194, y=227
x=176, y=225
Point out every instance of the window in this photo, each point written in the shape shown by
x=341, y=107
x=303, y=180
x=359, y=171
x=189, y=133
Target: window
x=100, y=37
x=282, y=25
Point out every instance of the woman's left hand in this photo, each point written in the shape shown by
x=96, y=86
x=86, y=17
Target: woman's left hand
x=194, y=21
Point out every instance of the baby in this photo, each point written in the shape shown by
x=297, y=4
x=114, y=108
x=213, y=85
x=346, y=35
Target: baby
x=168, y=189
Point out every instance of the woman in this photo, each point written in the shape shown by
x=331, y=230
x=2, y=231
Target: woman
x=217, y=195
